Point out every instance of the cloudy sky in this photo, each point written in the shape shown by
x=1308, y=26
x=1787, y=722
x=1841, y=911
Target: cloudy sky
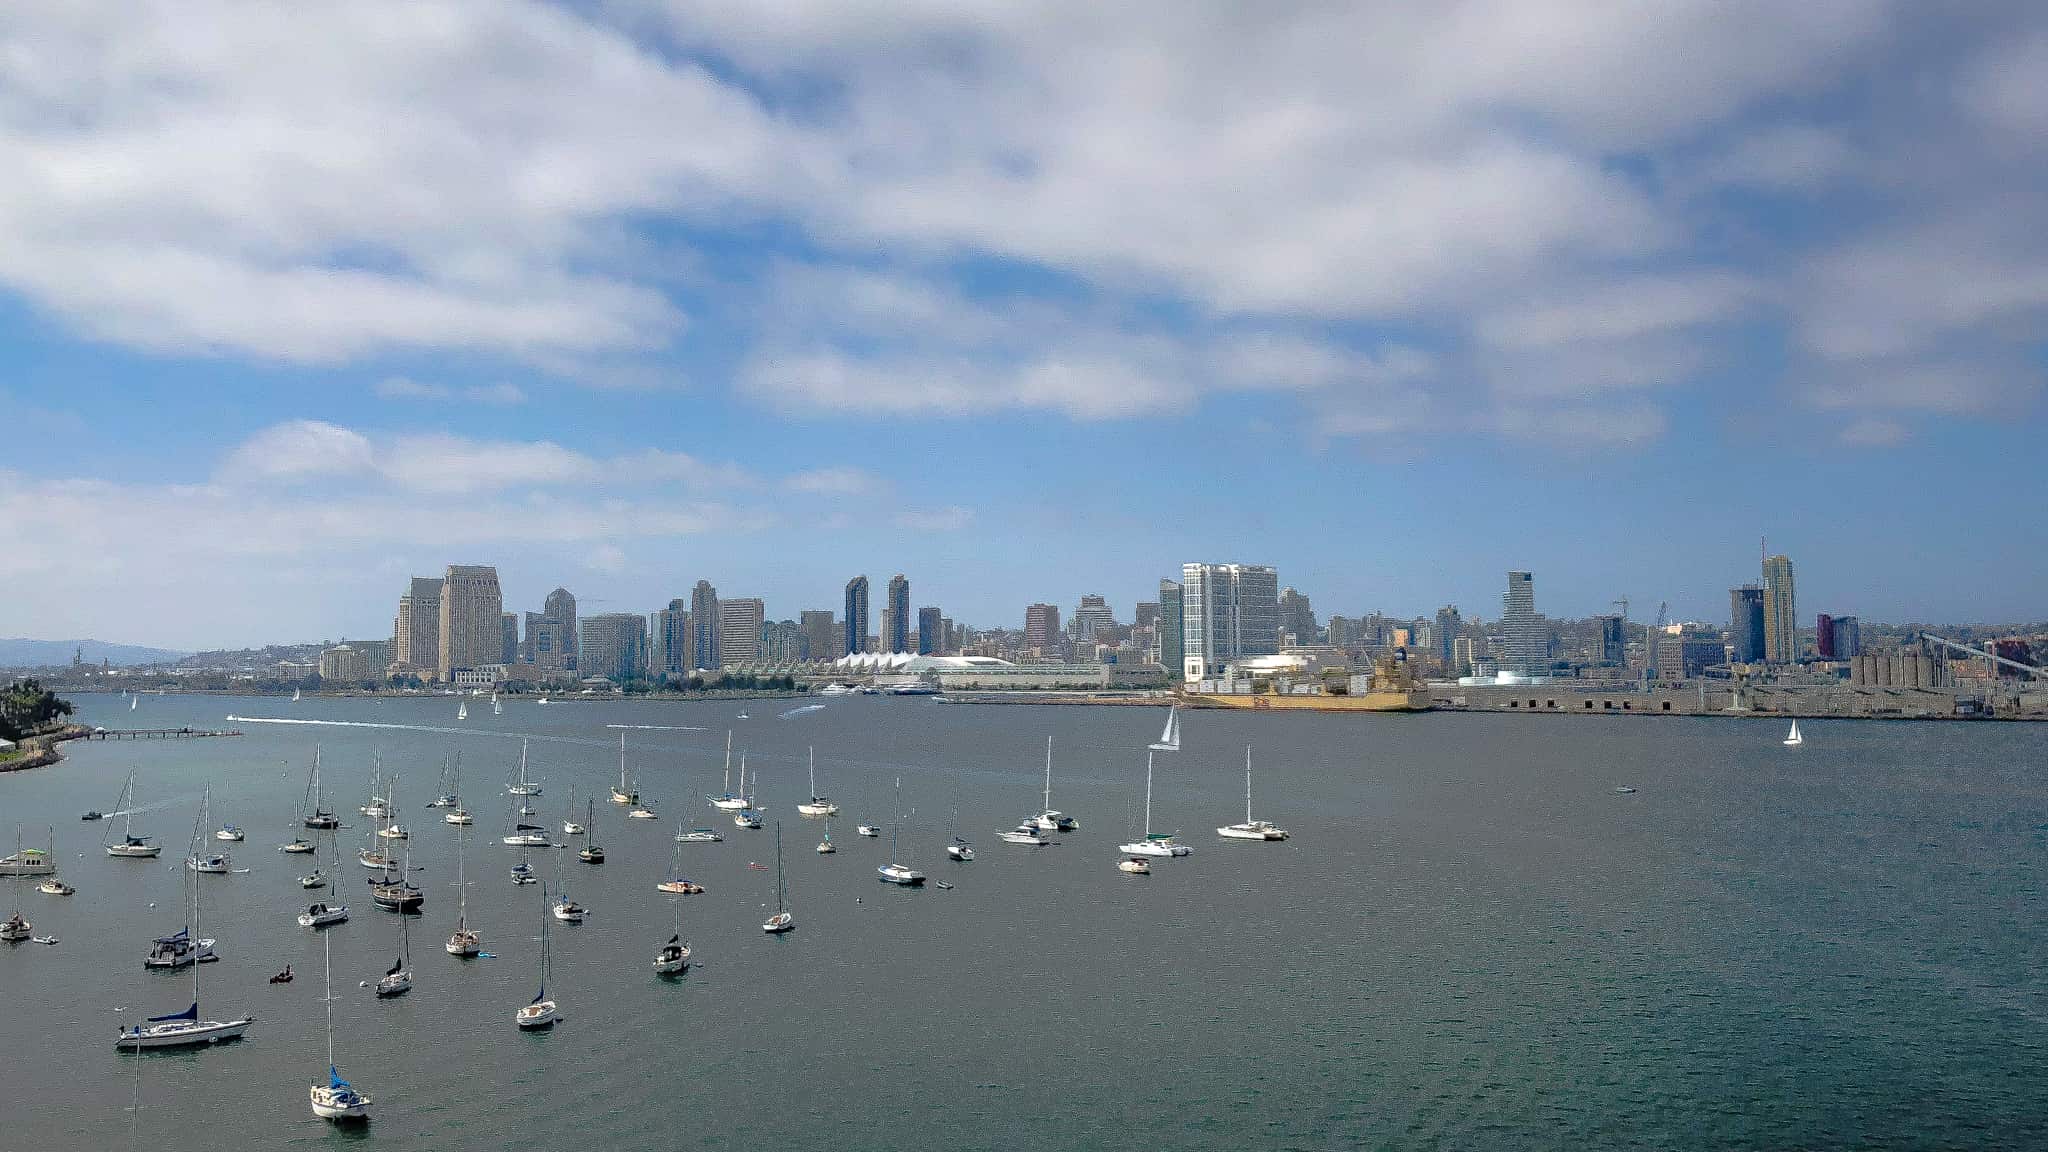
x=1026, y=301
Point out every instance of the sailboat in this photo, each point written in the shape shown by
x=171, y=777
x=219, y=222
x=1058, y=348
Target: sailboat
x=674, y=957
x=1049, y=820
x=524, y=787
x=1154, y=844
x=318, y=816
x=213, y=863
x=697, y=835
x=566, y=910
x=731, y=801
x=295, y=695
x=397, y=979
x=1251, y=829
x=398, y=893
x=959, y=849
x=133, y=701
x=522, y=872
x=376, y=809
x=569, y=825
x=466, y=942
x=131, y=846
x=818, y=805
x=591, y=854
x=181, y=1029
x=541, y=1012
x=1169, y=737
x=456, y=814
x=336, y=1099
x=825, y=846
x=386, y=808
x=462, y=710
x=676, y=884
x=782, y=921
x=447, y=798
x=1793, y=739
x=622, y=794
x=748, y=815
x=894, y=872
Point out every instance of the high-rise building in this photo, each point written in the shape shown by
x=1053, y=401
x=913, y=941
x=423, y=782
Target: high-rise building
x=1781, y=622
x=1297, y=617
x=783, y=642
x=1228, y=611
x=1041, y=625
x=1145, y=615
x=1523, y=634
x=472, y=619
x=1449, y=623
x=1613, y=640
x=613, y=645
x=821, y=639
x=896, y=617
x=739, y=631
x=1746, y=624
x=1170, y=626
x=1463, y=651
x=704, y=625
x=1090, y=618
x=1824, y=637
x=931, y=632
x=856, y=615
x=668, y=634
x=419, y=626
x=510, y=623
x=560, y=608
x=1848, y=637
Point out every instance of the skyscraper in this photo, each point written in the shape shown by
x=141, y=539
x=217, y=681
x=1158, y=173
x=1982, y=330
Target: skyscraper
x=1746, y=624
x=560, y=609
x=1522, y=632
x=1170, y=626
x=1041, y=626
x=613, y=645
x=782, y=642
x=1091, y=616
x=1297, y=616
x=704, y=624
x=511, y=629
x=1824, y=637
x=821, y=639
x=419, y=626
x=896, y=625
x=1448, y=625
x=931, y=634
x=739, y=631
x=1227, y=611
x=668, y=635
x=1613, y=640
x=1781, y=620
x=1848, y=635
x=856, y=616
x=472, y=619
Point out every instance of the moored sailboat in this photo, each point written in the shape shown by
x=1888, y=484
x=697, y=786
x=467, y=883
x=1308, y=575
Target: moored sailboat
x=336, y=1099
x=1251, y=829
x=131, y=847
x=182, y=1029
x=817, y=805
x=1154, y=844
x=466, y=942
x=782, y=921
x=541, y=1012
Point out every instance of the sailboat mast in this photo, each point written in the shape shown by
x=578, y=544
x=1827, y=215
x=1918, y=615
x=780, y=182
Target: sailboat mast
x=814, y=771
x=1048, y=774
x=728, y=761
x=1247, y=783
x=622, y=762
x=781, y=898
x=1148, y=794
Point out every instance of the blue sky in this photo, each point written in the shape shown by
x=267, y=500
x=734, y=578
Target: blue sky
x=1025, y=302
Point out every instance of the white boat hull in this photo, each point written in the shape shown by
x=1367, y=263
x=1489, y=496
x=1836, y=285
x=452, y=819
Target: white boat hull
x=779, y=923
x=641, y=814
x=458, y=817
x=134, y=851
x=571, y=828
x=666, y=965
x=532, y=840
x=172, y=959
x=464, y=944
x=814, y=809
x=1031, y=839
x=1155, y=848
x=538, y=1015
x=701, y=836
x=960, y=852
x=1256, y=831
x=729, y=803
x=182, y=1034
x=1134, y=867
x=331, y=1105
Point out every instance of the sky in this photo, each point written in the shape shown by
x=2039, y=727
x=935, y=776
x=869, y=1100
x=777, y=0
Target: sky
x=1025, y=301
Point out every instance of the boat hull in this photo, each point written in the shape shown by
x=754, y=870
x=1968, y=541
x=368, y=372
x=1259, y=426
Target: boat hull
x=541, y=1015
x=1152, y=848
x=329, y=1104
x=779, y=923
x=182, y=1034
x=134, y=851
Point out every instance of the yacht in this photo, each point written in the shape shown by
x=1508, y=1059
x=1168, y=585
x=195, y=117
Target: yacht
x=527, y=836
x=1251, y=829
x=1025, y=833
x=297, y=847
x=182, y=1029
x=314, y=879
x=868, y=830
x=591, y=853
x=680, y=887
x=211, y=863
x=1169, y=738
x=642, y=813
x=15, y=929
x=541, y=1012
x=818, y=805
x=1049, y=820
x=395, y=832
x=569, y=911
x=335, y=1100
x=1793, y=739
x=522, y=873
x=731, y=801
x=231, y=834
x=894, y=872
x=674, y=957
x=524, y=787
x=179, y=949
x=54, y=887
x=1154, y=843
x=826, y=847
x=747, y=818
x=782, y=921
x=458, y=817
x=323, y=915
x=313, y=811
x=699, y=836
x=570, y=827
x=1135, y=865
x=960, y=850
x=837, y=690
x=396, y=893
x=397, y=979
x=465, y=942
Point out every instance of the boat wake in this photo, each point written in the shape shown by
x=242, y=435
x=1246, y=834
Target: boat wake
x=658, y=727
x=808, y=708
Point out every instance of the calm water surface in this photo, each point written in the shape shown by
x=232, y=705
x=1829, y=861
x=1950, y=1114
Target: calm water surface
x=1471, y=940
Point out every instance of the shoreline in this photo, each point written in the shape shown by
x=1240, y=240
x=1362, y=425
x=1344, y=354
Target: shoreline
x=42, y=751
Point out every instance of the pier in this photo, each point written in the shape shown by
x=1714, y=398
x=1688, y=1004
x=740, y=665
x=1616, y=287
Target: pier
x=159, y=733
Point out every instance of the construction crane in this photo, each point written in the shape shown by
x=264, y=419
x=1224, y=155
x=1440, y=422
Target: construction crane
x=1986, y=654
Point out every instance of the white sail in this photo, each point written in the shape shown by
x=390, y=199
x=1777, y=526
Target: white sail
x=1169, y=737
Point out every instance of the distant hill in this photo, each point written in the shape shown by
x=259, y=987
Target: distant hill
x=23, y=653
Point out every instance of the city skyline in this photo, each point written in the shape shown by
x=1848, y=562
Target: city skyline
x=1393, y=299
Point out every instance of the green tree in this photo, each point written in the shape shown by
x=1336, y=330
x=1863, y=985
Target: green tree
x=26, y=706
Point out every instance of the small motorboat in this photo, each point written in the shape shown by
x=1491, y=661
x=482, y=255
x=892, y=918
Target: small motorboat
x=570, y=912
x=42, y=940
x=323, y=915
x=699, y=836
x=457, y=817
x=673, y=958
x=1134, y=865
x=395, y=832
x=297, y=847
x=680, y=887
x=56, y=887
x=15, y=928
x=642, y=814
x=212, y=863
x=284, y=977
x=93, y=815
x=960, y=850
x=945, y=886
x=591, y=855
x=1025, y=833
x=231, y=834
x=869, y=830
x=313, y=879
x=1623, y=790
x=747, y=818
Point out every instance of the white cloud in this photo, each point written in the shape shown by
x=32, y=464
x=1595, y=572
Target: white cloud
x=405, y=388
x=1872, y=432
x=502, y=395
x=834, y=482
x=297, y=450
x=949, y=519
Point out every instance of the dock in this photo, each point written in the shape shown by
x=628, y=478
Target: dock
x=159, y=733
